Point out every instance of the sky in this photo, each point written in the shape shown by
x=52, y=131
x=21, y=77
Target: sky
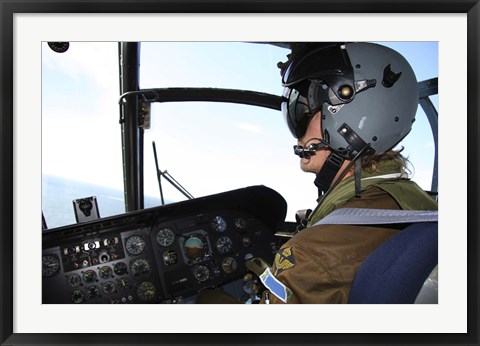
x=207, y=147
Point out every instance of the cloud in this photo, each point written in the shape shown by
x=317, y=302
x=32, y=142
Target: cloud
x=249, y=127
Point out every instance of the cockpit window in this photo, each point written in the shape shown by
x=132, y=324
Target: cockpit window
x=81, y=142
x=207, y=147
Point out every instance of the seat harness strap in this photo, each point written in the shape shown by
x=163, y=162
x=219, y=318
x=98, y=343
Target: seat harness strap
x=364, y=216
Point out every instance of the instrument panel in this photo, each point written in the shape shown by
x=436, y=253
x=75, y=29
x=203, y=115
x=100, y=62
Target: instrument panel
x=159, y=254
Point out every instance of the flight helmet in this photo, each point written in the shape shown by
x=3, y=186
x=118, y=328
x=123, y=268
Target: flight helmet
x=367, y=94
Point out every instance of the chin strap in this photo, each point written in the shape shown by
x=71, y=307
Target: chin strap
x=327, y=173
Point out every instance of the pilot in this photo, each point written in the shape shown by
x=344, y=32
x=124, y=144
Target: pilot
x=348, y=105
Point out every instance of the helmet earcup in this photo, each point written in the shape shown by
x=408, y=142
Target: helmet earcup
x=381, y=115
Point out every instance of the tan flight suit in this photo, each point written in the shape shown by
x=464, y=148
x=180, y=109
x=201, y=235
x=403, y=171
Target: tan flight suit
x=318, y=264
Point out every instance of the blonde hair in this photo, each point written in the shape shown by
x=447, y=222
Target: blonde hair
x=370, y=162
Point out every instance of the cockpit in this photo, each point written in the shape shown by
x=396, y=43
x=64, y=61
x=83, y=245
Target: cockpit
x=164, y=254
x=145, y=238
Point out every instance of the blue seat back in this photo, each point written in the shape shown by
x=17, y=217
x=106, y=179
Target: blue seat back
x=395, y=272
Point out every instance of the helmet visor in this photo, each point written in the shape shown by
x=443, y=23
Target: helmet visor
x=296, y=112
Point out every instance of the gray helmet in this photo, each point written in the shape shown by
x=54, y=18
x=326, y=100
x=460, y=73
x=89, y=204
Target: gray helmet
x=367, y=94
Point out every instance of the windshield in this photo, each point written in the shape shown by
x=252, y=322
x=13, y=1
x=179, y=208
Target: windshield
x=207, y=147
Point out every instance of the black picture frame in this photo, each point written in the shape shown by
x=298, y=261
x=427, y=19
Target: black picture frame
x=9, y=7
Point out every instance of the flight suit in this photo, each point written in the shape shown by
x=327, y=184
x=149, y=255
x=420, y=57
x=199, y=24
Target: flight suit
x=318, y=264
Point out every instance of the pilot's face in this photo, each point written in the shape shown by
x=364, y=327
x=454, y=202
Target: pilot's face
x=314, y=130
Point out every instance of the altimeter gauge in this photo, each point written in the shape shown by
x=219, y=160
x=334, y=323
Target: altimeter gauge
x=135, y=245
x=165, y=237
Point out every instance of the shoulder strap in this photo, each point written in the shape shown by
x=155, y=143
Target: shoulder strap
x=362, y=216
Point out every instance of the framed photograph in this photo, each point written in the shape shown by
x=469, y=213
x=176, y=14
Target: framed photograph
x=38, y=151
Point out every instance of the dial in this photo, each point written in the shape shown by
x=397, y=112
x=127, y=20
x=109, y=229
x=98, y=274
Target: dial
x=165, y=237
x=108, y=287
x=120, y=268
x=201, y=273
x=140, y=266
x=89, y=276
x=146, y=291
x=105, y=272
x=77, y=296
x=74, y=280
x=229, y=265
x=135, y=245
x=50, y=265
x=93, y=291
x=59, y=47
x=219, y=224
x=195, y=246
x=123, y=283
x=224, y=245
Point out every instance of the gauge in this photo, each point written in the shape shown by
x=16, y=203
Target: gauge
x=93, y=291
x=165, y=237
x=120, y=268
x=135, y=245
x=140, y=266
x=170, y=257
x=50, y=265
x=219, y=224
x=224, y=244
x=89, y=276
x=105, y=272
x=59, y=47
x=123, y=283
x=74, y=280
x=195, y=246
x=77, y=296
x=108, y=287
x=146, y=291
x=201, y=273
x=229, y=265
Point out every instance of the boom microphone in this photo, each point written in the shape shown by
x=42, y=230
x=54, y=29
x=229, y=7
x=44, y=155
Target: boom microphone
x=312, y=148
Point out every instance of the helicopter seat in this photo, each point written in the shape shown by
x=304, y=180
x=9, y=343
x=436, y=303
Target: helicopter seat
x=401, y=268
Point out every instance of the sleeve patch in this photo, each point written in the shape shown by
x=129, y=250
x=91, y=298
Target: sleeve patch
x=274, y=285
x=284, y=259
